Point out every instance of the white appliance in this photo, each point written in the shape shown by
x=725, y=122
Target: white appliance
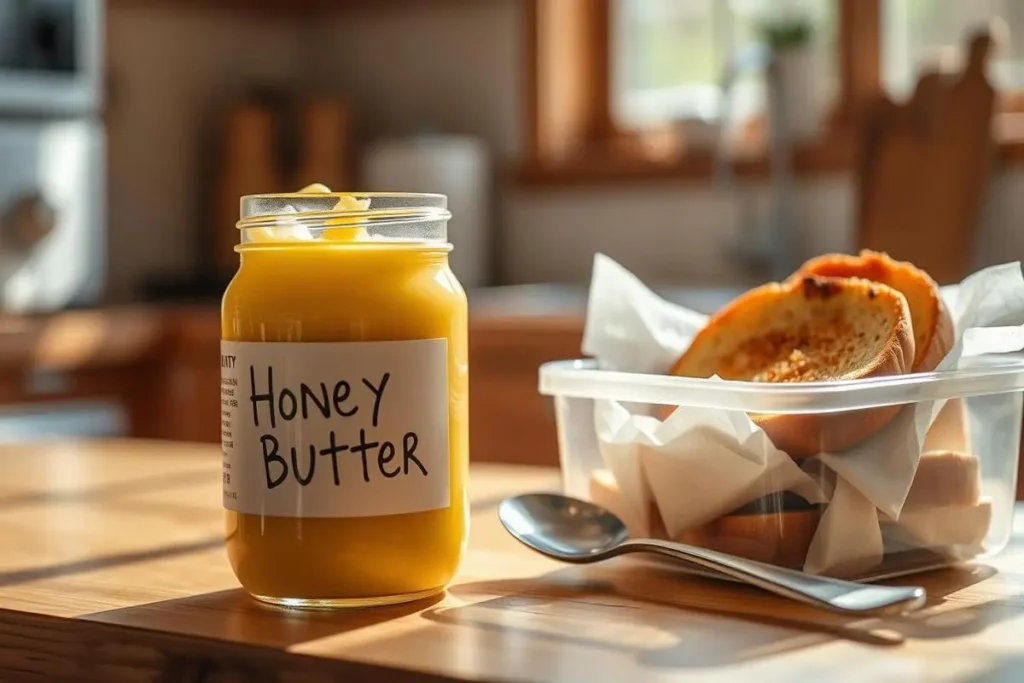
x=51, y=56
x=52, y=162
x=456, y=166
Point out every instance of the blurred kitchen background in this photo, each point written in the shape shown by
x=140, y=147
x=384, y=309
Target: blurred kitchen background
x=707, y=145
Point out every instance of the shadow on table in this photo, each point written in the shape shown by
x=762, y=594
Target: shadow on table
x=682, y=621
x=11, y=578
x=104, y=492
x=235, y=616
x=573, y=626
x=579, y=616
x=1000, y=669
x=946, y=617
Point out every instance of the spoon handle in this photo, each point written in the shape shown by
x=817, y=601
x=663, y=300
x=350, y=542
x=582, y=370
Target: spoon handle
x=833, y=594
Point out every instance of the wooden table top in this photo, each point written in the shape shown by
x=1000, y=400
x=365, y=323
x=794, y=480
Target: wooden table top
x=112, y=569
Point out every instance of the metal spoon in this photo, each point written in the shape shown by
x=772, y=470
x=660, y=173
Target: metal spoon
x=579, y=532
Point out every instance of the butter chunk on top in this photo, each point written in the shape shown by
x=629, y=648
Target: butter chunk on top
x=337, y=229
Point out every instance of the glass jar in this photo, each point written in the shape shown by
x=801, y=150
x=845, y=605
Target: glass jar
x=344, y=400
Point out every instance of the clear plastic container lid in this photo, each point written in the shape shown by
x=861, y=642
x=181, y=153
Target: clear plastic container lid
x=978, y=376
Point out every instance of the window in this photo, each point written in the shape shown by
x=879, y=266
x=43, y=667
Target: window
x=919, y=34
x=670, y=56
x=604, y=76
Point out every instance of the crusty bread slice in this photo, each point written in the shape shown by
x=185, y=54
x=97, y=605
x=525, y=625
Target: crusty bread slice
x=942, y=528
x=758, y=531
x=951, y=429
x=780, y=538
x=933, y=326
x=945, y=478
x=814, y=329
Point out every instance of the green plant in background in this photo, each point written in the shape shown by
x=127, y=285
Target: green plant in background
x=781, y=33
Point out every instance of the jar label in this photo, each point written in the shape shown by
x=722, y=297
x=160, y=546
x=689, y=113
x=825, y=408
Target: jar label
x=348, y=429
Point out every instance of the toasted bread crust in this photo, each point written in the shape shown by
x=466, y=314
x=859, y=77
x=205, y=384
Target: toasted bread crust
x=814, y=318
x=932, y=324
x=812, y=329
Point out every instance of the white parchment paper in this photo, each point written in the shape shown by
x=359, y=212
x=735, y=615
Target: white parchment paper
x=700, y=464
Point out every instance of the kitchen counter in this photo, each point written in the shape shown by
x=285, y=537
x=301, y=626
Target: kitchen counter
x=571, y=300
x=114, y=570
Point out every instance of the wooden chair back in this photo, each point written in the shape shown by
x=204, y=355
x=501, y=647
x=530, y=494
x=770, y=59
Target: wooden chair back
x=925, y=168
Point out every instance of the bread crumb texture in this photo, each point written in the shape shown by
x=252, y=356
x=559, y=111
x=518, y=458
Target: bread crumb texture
x=831, y=343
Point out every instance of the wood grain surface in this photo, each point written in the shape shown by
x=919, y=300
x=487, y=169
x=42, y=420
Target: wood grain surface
x=113, y=570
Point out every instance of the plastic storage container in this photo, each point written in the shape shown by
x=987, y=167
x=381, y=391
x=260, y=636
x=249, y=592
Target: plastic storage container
x=935, y=486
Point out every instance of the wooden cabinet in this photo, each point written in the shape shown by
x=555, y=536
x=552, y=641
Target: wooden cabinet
x=82, y=356
x=187, y=379
x=162, y=366
x=510, y=421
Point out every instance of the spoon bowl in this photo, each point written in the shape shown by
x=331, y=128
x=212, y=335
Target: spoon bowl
x=561, y=527
x=579, y=532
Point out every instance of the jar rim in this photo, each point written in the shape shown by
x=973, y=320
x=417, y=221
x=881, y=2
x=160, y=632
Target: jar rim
x=415, y=217
x=426, y=195
x=397, y=206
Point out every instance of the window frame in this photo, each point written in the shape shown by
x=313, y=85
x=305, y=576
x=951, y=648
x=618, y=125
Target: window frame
x=573, y=139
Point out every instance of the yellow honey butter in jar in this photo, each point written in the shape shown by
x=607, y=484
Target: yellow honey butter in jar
x=344, y=400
